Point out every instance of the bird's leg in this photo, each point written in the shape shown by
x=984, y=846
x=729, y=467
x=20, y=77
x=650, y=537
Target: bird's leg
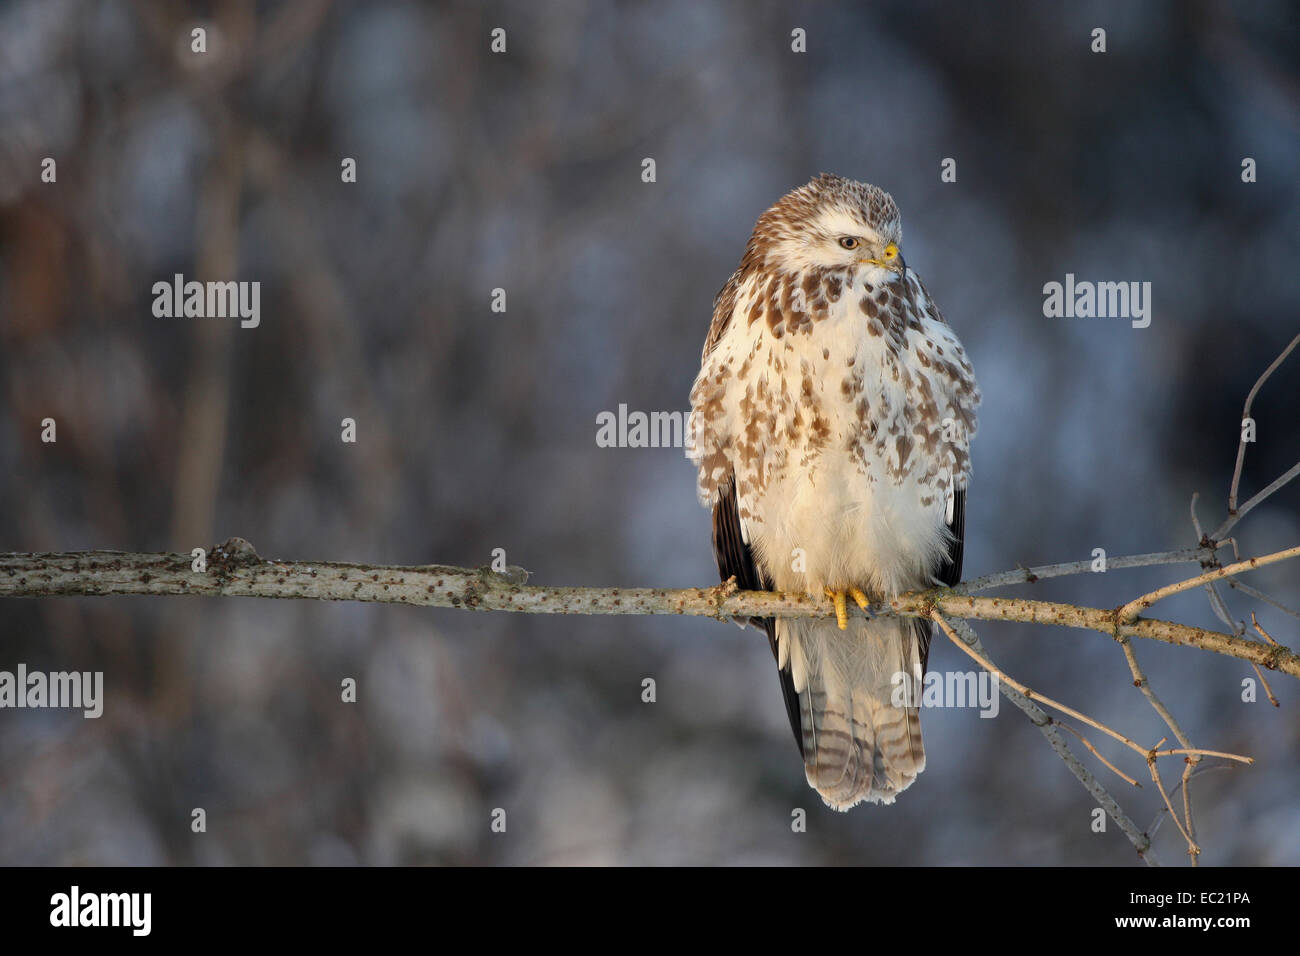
x=842, y=604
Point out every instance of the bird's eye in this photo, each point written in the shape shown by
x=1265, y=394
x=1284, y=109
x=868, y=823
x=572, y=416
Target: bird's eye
x=891, y=252
x=848, y=242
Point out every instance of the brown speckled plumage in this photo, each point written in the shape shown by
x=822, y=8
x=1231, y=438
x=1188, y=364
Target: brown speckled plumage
x=831, y=425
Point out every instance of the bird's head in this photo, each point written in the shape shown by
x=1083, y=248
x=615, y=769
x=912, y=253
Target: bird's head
x=832, y=223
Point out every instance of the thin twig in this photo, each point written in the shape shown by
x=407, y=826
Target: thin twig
x=1196, y=522
x=1259, y=595
x=1033, y=694
x=1232, y=519
x=1233, y=514
x=1272, y=698
x=1129, y=612
x=1203, y=753
x=1064, y=708
x=1220, y=608
x=1193, y=851
x=1263, y=633
x=1143, y=684
x=1152, y=755
x=1201, y=771
x=1096, y=753
x=1030, y=575
x=1047, y=726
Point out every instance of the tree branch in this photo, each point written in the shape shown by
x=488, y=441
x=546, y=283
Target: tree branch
x=234, y=569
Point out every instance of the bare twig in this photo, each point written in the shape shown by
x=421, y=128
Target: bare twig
x=1193, y=850
x=1262, y=633
x=1193, y=755
x=1047, y=725
x=1220, y=608
x=1233, y=514
x=1272, y=698
x=1096, y=753
x=1140, y=680
x=1033, y=695
x=1261, y=596
x=1130, y=611
x=1170, y=751
x=1196, y=522
x=1031, y=575
x=1231, y=521
x=1201, y=771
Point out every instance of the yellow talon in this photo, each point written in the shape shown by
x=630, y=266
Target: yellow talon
x=842, y=604
x=861, y=598
x=841, y=607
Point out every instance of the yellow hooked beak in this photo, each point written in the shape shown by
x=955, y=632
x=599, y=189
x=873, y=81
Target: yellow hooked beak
x=889, y=259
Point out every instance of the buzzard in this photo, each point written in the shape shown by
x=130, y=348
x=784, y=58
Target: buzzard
x=831, y=424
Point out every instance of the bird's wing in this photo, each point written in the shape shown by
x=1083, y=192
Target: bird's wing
x=736, y=558
x=948, y=570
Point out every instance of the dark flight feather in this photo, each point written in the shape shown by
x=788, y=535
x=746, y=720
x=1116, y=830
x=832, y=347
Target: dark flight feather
x=735, y=558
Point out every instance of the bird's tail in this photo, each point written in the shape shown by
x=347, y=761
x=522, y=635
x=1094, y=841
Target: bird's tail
x=861, y=731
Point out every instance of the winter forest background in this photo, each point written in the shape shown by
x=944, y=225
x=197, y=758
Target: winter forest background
x=476, y=429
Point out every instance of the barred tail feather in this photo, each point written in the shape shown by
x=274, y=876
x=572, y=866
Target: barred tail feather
x=858, y=746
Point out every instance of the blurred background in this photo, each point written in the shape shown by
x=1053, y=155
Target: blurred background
x=476, y=429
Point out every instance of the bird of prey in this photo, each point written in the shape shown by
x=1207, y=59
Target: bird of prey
x=831, y=424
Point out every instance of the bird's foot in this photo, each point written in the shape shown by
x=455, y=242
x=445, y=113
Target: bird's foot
x=841, y=599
